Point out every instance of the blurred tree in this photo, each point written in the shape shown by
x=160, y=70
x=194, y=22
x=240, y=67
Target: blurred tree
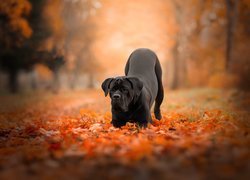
x=14, y=32
x=19, y=45
x=14, y=27
x=52, y=40
x=39, y=24
x=183, y=13
x=199, y=42
x=240, y=56
x=54, y=63
x=232, y=13
x=79, y=35
x=54, y=60
x=14, y=60
x=179, y=64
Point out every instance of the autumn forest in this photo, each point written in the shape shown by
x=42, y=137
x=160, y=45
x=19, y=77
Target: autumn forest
x=55, y=119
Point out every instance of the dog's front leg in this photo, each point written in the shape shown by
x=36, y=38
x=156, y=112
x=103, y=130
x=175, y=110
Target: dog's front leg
x=118, y=120
x=143, y=117
x=143, y=124
x=118, y=123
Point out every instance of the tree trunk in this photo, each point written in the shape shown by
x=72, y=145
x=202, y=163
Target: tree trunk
x=13, y=81
x=179, y=62
x=56, y=83
x=232, y=12
x=176, y=64
x=73, y=79
x=91, y=81
x=33, y=80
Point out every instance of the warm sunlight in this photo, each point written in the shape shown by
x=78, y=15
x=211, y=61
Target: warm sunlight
x=124, y=89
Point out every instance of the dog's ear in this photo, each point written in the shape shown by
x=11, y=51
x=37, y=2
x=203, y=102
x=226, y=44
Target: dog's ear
x=136, y=84
x=105, y=85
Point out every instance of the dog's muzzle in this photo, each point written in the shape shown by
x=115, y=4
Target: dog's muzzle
x=116, y=96
x=118, y=104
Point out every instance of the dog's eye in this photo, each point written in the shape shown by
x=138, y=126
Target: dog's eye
x=124, y=90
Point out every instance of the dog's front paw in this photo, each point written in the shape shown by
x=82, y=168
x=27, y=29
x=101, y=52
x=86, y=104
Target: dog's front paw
x=117, y=123
x=142, y=124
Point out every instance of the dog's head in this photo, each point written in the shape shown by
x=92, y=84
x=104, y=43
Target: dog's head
x=122, y=90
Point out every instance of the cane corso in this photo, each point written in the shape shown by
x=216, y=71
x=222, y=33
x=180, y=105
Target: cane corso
x=133, y=95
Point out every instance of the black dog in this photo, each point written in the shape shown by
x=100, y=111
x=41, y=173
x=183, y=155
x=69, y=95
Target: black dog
x=133, y=95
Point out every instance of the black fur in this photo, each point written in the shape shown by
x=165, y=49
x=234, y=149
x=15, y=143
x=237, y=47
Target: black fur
x=133, y=95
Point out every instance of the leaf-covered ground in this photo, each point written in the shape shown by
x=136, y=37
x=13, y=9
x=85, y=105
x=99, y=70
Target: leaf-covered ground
x=204, y=134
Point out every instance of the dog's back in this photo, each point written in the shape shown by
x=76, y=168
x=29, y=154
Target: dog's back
x=141, y=62
x=144, y=64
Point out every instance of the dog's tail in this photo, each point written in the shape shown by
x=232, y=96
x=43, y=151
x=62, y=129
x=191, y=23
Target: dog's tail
x=160, y=94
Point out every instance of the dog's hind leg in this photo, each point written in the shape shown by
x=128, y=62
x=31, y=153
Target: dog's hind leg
x=160, y=94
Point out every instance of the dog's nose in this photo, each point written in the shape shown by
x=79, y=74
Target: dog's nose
x=116, y=96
